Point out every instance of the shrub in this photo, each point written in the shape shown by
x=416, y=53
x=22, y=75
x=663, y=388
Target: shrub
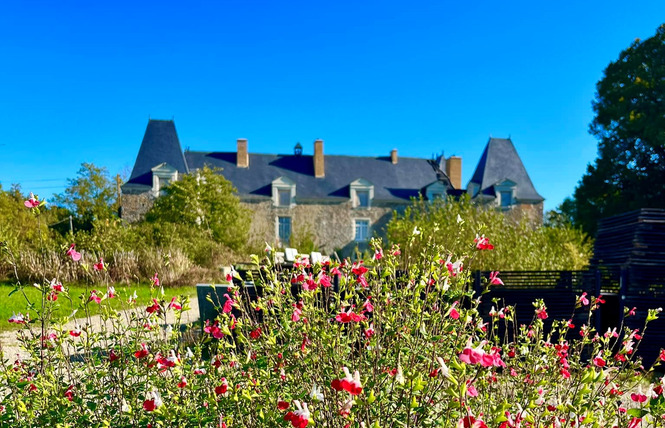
x=520, y=244
x=331, y=345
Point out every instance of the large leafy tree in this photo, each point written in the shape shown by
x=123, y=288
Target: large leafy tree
x=629, y=172
x=92, y=195
x=207, y=202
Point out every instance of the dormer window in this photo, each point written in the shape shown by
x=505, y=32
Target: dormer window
x=505, y=193
x=362, y=193
x=283, y=192
x=162, y=175
x=436, y=190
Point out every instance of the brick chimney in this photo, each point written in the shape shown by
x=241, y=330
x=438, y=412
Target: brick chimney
x=243, y=155
x=393, y=156
x=319, y=168
x=454, y=171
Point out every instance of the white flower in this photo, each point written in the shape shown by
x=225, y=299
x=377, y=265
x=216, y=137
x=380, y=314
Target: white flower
x=399, y=377
x=189, y=353
x=416, y=231
x=316, y=393
x=443, y=369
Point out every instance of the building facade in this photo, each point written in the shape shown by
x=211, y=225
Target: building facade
x=335, y=202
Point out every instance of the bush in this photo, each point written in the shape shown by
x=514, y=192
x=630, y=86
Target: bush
x=383, y=347
x=519, y=244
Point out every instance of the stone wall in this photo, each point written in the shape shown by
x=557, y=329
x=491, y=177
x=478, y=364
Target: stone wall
x=330, y=226
x=135, y=206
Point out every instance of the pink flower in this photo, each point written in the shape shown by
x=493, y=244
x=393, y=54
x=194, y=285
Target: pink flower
x=452, y=312
x=75, y=255
x=471, y=390
x=378, y=254
x=175, y=305
x=583, y=299
x=94, y=297
x=369, y=331
x=473, y=356
x=368, y=305
x=295, y=317
x=638, y=397
x=598, y=361
x=541, y=313
x=494, y=279
x=213, y=329
x=155, y=280
x=32, y=202
x=111, y=292
x=483, y=243
x=228, y=304
x=324, y=280
x=100, y=265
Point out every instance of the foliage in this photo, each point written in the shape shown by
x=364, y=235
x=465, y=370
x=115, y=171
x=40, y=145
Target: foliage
x=630, y=125
x=520, y=245
x=90, y=196
x=383, y=347
x=205, y=201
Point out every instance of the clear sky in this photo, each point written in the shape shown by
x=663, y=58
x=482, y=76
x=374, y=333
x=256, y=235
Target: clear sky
x=81, y=79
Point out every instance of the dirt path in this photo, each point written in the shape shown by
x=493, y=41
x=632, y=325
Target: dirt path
x=11, y=349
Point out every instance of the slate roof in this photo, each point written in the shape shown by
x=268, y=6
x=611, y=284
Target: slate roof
x=160, y=144
x=501, y=162
x=392, y=182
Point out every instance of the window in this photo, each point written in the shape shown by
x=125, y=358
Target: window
x=362, y=230
x=283, y=192
x=506, y=198
x=284, y=229
x=362, y=198
x=162, y=175
x=362, y=193
x=284, y=197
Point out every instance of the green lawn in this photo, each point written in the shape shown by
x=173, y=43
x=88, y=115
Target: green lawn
x=64, y=306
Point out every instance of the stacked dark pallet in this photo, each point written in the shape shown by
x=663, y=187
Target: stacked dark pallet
x=633, y=238
x=635, y=243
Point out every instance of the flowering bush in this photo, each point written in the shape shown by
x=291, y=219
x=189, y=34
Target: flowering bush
x=332, y=345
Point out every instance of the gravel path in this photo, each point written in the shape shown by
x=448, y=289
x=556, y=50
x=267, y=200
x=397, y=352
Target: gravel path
x=11, y=349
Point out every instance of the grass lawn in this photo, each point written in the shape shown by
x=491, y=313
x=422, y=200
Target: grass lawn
x=17, y=303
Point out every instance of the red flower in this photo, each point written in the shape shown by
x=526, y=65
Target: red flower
x=228, y=304
x=350, y=384
x=483, y=243
x=222, y=388
x=282, y=405
x=256, y=333
x=154, y=307
x=175, y=305
x=542, y=313
x=143, y=352
x=300, y=417
x=183, y=382
x=17, y=319
x=639, y=397
x=100, y=265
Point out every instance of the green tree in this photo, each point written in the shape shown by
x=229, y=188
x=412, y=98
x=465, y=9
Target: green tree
x=91, y=195
x=205, y=201
x=630, y=124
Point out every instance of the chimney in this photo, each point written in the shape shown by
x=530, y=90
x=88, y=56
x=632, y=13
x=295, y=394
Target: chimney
x=393, y=156
x=454, y=171
x=243, y=156
x=319, y=169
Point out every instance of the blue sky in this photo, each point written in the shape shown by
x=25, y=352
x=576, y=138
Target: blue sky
x=80, y=80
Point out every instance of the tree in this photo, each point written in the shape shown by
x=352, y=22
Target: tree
x=204, y=200
x=91, y=195
x=629, y=172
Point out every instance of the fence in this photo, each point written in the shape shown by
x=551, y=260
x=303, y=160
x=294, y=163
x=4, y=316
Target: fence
x=621, y=288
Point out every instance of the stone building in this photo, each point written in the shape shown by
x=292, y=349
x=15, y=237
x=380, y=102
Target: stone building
x=337, y=202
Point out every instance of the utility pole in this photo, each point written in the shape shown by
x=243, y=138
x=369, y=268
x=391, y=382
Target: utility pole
x=118, y=181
